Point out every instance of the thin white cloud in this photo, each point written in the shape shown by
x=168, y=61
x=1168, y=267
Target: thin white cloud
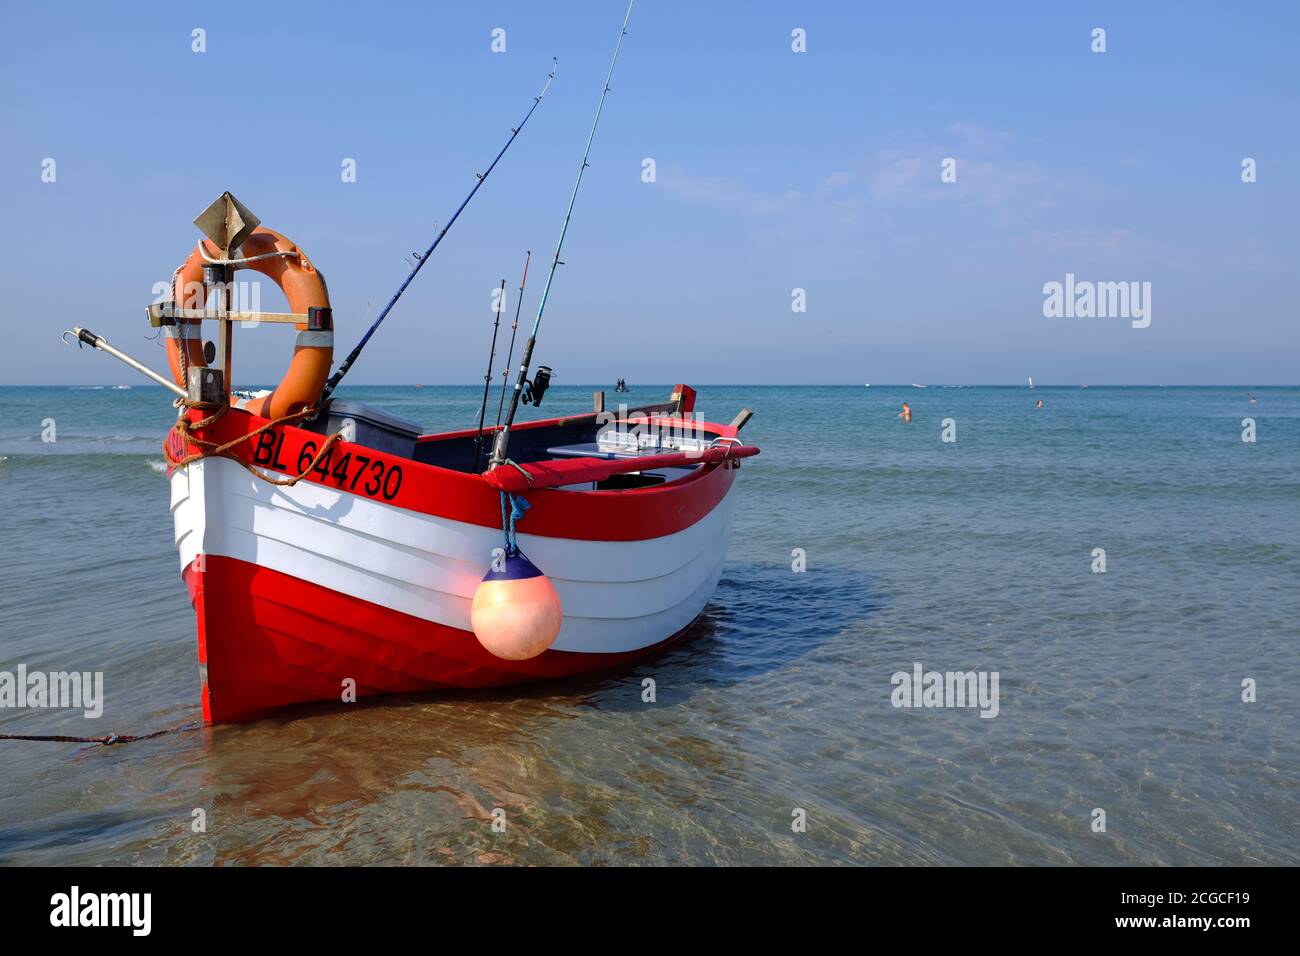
x=1015, y=189
x=1088, y=241
x=980, y=137
x=914, y=176
x=726, y=192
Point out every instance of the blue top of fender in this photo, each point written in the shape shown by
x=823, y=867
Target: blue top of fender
x=517, y=568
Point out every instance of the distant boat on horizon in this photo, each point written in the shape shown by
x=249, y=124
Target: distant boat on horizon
x=1031, y=381
x=918, y=385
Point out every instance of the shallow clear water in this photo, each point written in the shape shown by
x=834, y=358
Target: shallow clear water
x=1120, y=691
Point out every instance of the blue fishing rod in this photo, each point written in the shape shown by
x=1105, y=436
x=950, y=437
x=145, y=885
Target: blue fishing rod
x=503, y=436
x=420, y=260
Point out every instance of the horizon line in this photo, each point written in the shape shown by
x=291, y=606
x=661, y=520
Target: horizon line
x=765, y=385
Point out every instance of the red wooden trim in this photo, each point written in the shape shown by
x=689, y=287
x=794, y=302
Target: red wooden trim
x=684, y=396
x=572, y=471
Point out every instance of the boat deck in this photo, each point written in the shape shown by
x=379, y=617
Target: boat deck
x=594, y=437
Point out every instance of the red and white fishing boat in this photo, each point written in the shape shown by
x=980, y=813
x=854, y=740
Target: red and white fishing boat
x=365, y=570
x=334, y=551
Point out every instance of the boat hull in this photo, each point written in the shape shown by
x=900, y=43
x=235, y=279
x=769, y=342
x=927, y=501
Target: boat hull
x=312, y=592
x=268, y=640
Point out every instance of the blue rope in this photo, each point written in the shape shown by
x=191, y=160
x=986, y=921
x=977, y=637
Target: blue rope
x=512, y=509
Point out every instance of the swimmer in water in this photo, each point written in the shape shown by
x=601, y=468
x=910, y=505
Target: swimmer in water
x=906, y=413
x=1253, y=399
x=1038, y=404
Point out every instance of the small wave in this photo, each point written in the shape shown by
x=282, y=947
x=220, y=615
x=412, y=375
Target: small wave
x=158, y=466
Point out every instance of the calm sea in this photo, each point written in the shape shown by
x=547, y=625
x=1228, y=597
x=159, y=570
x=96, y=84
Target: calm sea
x=1119, y=691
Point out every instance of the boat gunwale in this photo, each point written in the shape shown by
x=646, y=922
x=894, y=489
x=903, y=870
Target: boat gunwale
x=480, y=479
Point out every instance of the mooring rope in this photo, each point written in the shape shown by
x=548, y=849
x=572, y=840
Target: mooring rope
x=512, y=509
x=106, y=741
x=521, y=469
x=210, y=449
x=182, y=346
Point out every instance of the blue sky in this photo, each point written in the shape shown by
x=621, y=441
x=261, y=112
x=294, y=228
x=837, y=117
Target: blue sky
x=775, y=170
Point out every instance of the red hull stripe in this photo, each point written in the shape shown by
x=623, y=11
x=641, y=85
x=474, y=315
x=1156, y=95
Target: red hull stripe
x=272, y=640
x=634, y=514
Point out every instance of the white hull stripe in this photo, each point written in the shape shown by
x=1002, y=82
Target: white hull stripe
x=617, y=595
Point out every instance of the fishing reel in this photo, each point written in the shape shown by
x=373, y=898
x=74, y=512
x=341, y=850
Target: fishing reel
x=534, y=390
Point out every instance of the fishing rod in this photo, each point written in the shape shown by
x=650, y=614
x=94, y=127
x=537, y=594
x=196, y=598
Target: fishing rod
x=503, y=436
x=99, y=342
x=505, y=373
x=487, y=376
x=420, y=260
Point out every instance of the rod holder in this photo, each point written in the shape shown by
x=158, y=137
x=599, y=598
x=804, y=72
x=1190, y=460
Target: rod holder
x=216, y=273
x=207, y=385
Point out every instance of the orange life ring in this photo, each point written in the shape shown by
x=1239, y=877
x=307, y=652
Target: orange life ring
x=304, y=287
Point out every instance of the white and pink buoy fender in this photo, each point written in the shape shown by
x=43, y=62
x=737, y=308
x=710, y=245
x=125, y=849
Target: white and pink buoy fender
x=516, y=612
